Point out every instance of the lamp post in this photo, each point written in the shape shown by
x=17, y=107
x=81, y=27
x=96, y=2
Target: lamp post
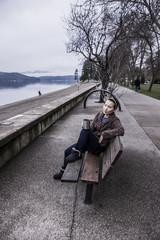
x=76, y=77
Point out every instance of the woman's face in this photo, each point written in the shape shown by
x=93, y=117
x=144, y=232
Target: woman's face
x=108, y=107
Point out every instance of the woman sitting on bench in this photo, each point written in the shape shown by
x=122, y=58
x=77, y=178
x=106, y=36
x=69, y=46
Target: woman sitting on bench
x=104, y=126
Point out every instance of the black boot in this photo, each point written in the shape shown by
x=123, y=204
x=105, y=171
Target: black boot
x=75, y=155
x=59, y=175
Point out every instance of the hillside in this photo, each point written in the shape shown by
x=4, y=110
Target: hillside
x=67, y=77
x=18, y=77
x=5, y=77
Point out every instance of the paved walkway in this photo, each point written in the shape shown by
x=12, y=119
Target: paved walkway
x=125, y=206
x=146, y=111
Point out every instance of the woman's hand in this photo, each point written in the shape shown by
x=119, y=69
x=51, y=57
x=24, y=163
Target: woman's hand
x=101, y=139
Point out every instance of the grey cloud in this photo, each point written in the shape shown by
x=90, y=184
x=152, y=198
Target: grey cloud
x=33, y=37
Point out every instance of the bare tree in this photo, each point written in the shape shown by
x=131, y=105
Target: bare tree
x=148, y=8
x=136, y=56
x=144, y=8
x=153, y=62
x=144, y=30
x=149, y=33
x=116, y=36
x=97, y=32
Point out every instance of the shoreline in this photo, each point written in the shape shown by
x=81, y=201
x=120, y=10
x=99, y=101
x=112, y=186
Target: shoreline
x=34, y=97
x=10, y=110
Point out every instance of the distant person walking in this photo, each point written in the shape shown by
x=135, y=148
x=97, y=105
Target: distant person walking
x=137, y=83
x=39, y=92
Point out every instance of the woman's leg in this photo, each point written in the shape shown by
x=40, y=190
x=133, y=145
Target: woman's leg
x=88, y=141
x=67, y=152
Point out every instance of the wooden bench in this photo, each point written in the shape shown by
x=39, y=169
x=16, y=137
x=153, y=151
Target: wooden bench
x=93, y=168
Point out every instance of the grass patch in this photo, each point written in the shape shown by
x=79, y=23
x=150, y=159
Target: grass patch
x=155, y=91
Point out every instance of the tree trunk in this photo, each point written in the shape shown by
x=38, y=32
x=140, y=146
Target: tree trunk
x=151, y=83
x=104, y=81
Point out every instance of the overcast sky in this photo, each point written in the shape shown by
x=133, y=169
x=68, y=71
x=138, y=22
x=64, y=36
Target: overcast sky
x=32, y=37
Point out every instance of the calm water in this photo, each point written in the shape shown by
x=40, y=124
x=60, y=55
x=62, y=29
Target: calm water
x=14, y=92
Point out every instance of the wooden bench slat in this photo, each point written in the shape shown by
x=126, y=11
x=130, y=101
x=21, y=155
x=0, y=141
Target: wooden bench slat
x=72, y=172
x=91, y=168
x=106, y=161
x=116, y=148
x=112, y=153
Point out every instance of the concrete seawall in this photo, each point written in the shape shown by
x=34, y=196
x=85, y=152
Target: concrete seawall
x=18, y=131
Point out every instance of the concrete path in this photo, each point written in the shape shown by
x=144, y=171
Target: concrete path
x=146, y=111
x=125, y=206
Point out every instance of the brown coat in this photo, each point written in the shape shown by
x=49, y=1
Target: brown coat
x=109, y=129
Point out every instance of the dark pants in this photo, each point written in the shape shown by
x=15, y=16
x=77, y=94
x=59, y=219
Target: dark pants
x=87, y=141
x=137, y=88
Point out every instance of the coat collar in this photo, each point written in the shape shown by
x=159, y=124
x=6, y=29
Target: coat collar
x=111, y=117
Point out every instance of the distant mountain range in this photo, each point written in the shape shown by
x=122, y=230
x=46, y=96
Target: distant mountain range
x=36, y=72
x=67, y=77
x=18, y=77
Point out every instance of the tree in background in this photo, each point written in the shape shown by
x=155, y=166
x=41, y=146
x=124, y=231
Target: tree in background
x=85, y=71
x=97, y=32
x=146, y=30
x=116, y=37
x=142, y=79
x=89, y=71
x=149, y=9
